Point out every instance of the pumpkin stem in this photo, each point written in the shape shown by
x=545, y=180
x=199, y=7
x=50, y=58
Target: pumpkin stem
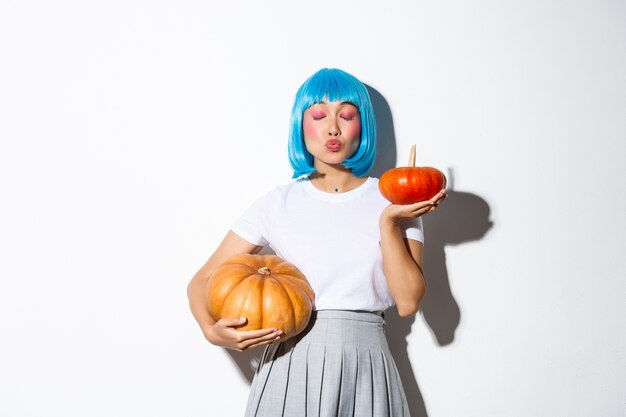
x=264, y=271
x=412, y=157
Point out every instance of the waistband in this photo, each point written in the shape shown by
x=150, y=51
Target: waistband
x=370, y=316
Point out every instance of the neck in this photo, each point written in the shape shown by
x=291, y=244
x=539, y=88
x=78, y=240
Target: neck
x=338, y=180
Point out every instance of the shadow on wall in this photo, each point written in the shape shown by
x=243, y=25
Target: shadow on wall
x=463, y=217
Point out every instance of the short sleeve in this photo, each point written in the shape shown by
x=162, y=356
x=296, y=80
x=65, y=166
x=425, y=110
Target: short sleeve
x=254, y=224
x=413, y=229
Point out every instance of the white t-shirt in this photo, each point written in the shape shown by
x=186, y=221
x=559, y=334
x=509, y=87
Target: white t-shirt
x=334, y=239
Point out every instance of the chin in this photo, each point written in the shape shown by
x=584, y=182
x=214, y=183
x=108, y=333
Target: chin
x=334, y=161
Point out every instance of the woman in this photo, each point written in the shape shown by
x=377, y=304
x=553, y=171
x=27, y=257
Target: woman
x=360, y=254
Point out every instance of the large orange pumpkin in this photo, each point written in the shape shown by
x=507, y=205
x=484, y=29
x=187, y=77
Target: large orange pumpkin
x=267, y=290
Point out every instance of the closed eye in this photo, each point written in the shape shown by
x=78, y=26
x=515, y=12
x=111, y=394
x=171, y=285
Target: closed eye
x=317, y=114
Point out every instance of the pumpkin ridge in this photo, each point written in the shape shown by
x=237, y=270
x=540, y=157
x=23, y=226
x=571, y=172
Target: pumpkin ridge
x=274, y=262
x=297, y=296
x=298, y=284
x=268, y=281
x=247, y=305
x=293, y=281
x=221, y=285
x=288, y=268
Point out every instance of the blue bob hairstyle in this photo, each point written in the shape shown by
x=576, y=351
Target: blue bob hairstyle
x=330, y=84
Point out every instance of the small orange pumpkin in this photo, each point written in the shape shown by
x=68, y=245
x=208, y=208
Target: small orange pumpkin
x=409, y=185
x=267, y=290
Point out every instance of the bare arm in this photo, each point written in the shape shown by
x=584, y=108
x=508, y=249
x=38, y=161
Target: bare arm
x=402, y=258
x=223, y=332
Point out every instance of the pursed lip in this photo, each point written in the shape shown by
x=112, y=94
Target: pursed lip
x=333, y=144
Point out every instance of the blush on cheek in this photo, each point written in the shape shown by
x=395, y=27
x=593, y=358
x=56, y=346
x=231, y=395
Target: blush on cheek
x=352, y=130
x=308, y=128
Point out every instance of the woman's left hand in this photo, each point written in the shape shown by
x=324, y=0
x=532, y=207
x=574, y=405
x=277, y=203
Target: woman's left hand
x=396, y=212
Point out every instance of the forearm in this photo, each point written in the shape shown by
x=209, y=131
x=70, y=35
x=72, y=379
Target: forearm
x=196, y=293
x=405, y=278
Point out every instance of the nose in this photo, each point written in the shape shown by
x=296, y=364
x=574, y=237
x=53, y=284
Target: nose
x=333, y=130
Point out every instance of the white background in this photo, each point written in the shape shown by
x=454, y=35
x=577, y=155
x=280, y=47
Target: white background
x=133, y=133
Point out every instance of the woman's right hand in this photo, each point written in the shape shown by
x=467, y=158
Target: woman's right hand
x=224, y=333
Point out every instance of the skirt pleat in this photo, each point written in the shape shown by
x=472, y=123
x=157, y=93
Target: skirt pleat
x=340, y=366
x=347, y=391
x=296, y=390
x=331, y=384
x=313, y=381
x=364, y=385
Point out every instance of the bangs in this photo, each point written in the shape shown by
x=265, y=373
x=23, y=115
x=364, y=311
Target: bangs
x=328, y=85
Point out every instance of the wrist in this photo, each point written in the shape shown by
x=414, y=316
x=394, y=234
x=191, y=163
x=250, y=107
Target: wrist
x=207, y=330
x=387, y=222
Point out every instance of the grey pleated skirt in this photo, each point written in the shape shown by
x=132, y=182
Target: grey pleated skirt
x=340, y=366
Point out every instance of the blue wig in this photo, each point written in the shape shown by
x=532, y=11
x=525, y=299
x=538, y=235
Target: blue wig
x=332, y=85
